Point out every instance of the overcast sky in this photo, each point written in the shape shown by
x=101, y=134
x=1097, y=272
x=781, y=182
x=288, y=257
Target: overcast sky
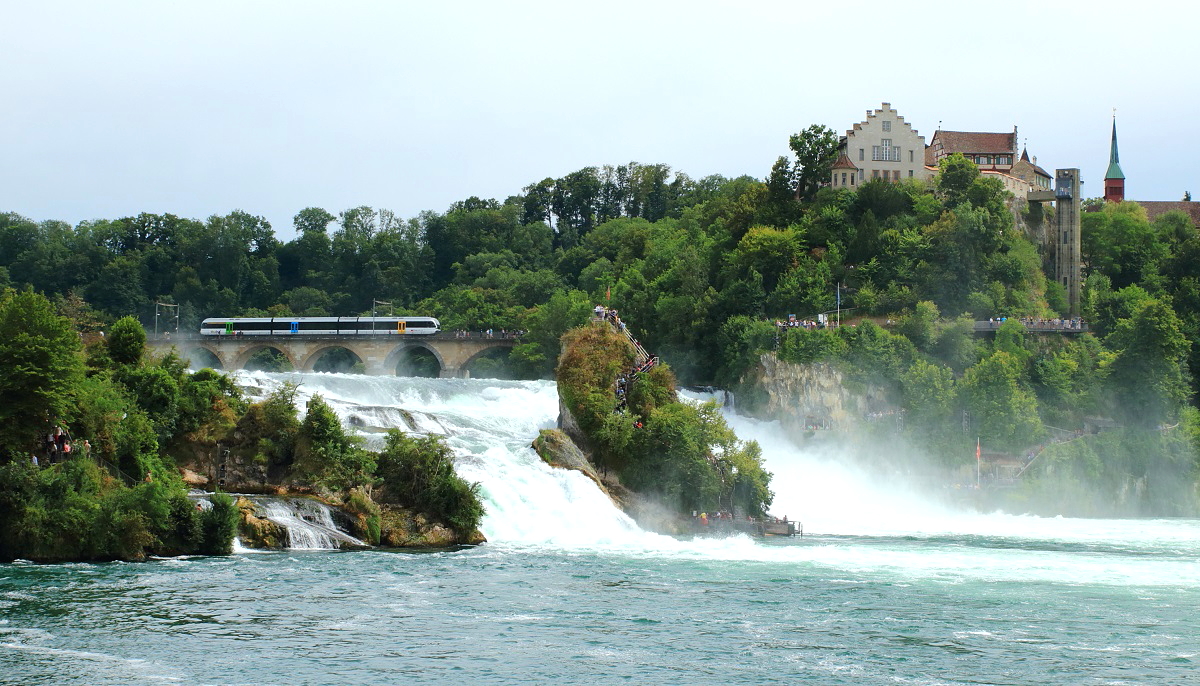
x=198, y=108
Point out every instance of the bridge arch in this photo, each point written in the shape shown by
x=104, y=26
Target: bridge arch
x=200, y=356
x=393, y=359
x=490, y=352
x=246, y=353
x=311, y=360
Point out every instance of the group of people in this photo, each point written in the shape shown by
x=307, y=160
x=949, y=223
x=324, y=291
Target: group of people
x=625, y=381
x=488, y=333
x=1042, y=323
x=58, y=446
x=793, y=323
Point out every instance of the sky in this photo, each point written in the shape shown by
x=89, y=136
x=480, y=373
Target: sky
x=114, y=108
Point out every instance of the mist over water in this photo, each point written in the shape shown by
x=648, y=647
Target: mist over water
x=889, y=586
x=853, y=520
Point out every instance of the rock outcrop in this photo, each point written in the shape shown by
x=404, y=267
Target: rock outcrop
x=402, y=528
x=800, y=396
x=558, y=449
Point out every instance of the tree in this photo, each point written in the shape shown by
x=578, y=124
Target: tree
x=126, y=341
x=816, y=149
x=955, y=176
x=1004, y=411
x=326, y=453
x=39, y=354
x=312, y=220
x=1147, y=376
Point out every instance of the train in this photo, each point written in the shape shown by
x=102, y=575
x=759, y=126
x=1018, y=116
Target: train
x=319, y=326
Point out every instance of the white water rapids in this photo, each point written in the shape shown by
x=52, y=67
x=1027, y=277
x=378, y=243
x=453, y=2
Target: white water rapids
x=860, y=525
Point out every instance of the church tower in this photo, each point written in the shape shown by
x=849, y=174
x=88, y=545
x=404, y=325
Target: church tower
x=1114, y=180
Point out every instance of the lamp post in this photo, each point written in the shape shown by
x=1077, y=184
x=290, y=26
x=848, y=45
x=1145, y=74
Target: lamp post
x=157, y=308
x=373, y=304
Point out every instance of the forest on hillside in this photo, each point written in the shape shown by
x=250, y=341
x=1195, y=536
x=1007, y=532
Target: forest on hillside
x=701, y=269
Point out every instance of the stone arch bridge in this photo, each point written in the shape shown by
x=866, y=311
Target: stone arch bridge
x=380, y=355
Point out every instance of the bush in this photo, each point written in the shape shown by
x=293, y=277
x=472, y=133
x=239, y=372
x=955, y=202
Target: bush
x=419, y=473
x=218, y=525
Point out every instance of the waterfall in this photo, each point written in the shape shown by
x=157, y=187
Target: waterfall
x=489, y=424
x=309, y=524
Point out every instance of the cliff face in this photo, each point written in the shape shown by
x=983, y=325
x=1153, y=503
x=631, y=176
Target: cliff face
x=801, y=396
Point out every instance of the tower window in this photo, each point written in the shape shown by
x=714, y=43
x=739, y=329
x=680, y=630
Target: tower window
x=887, y=126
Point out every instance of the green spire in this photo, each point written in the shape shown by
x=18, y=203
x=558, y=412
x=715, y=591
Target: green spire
x=1114, y=167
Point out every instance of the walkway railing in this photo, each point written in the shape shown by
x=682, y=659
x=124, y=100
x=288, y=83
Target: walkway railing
x=1037, y=325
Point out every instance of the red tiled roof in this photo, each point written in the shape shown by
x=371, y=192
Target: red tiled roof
x=843, y=162
x=1157, y=208
x=975, y=142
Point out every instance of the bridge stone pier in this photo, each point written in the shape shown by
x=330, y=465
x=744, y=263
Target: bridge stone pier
x=381, y=355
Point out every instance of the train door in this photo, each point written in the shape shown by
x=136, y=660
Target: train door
x=228, y=328
x=401, y=326
x=295, y=327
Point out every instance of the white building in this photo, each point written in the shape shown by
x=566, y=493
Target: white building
x=883, y=146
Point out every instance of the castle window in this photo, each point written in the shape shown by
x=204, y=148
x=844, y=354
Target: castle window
x=860, y=154
x=910, y=158
x=885, y=152
x=874, y=173
x=887, y=126
x=910, y=172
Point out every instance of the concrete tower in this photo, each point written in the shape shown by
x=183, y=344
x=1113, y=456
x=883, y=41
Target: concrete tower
x=1114, y=180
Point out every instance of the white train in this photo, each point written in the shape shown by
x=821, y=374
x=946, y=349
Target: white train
x=319, y=326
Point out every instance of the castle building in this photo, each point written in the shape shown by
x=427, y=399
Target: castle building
x=882, y=146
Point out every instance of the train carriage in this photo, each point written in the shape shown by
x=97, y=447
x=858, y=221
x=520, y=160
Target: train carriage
x=320, y=326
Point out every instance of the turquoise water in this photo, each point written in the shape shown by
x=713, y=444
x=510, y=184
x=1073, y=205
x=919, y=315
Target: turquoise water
x=508, y=614
x=890, y=589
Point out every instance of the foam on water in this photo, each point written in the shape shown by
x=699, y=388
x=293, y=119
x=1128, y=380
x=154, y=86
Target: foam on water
x=863, y=527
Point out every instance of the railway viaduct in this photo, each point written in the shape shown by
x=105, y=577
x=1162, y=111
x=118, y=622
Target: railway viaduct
x=380, y=355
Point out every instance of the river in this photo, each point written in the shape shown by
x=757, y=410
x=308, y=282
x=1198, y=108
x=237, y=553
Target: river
x=885, y=588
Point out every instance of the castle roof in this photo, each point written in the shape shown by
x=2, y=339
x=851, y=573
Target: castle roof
x=976, y=141
x=1157, y=208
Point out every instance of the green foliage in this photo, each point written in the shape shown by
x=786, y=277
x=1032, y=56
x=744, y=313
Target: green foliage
x=39, y=356
x=367, y=514
x=1003, y=411
x=326, y=454
x=816, y=149
x=218, y=525
x=269, y=429
x=801, y=346
x=126, y=341
x=74, y=511
x=687, y=456
x=418, y=472
x=1148, y=375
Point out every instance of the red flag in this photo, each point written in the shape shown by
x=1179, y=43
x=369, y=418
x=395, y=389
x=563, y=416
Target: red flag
x=977, y=453
x=608, y=293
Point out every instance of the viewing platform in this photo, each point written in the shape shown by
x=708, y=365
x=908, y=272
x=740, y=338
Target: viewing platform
x=1063, y=326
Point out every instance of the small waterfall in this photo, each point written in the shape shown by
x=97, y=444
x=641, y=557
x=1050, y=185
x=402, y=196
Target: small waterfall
x=309, y=524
